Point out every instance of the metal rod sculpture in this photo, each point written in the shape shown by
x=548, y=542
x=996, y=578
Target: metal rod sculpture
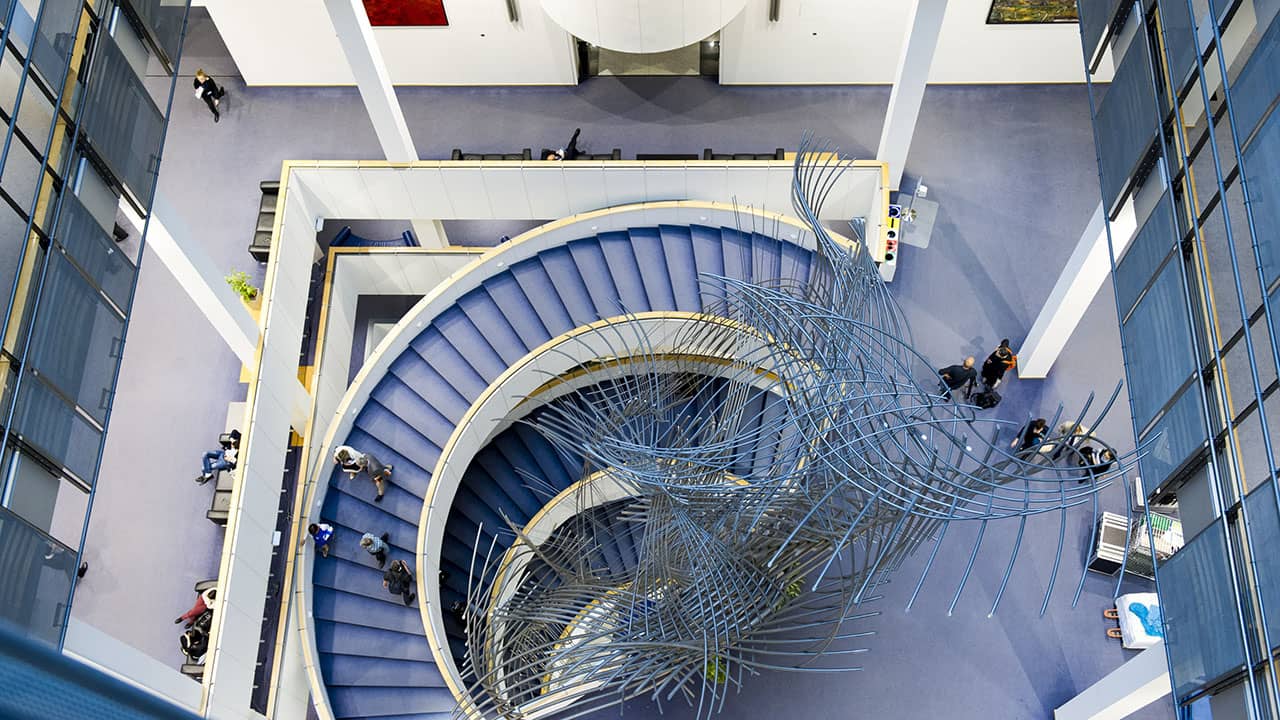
x=764, y=487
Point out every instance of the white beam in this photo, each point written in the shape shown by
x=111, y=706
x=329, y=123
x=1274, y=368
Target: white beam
x=923, y=26
x=361, y=48
x=430, y=233
x=1086, y=270
x=200, y=276
x=1127, y=689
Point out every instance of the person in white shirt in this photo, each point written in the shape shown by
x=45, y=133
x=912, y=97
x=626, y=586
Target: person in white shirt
x=353, y=461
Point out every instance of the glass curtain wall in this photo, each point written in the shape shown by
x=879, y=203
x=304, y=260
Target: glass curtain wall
x=1188, y=138
x=85, y=87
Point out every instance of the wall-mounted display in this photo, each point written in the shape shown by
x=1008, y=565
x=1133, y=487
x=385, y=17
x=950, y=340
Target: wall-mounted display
x=406, y=13
x=1005, y=12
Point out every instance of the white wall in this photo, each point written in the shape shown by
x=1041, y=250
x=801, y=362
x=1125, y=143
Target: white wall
x=858, y=42
x=292, y=42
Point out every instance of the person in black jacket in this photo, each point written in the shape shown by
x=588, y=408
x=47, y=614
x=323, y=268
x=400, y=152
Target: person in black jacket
x=959, y=376
x=210, y=92
x=398, y=580
x=998, y=363
x=568, y=152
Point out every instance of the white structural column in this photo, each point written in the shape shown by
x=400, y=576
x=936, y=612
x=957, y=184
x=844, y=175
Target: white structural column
x=923, y=26
x=1127, y=689
x=1086, y=270
x=361, y=48
x=200, y=276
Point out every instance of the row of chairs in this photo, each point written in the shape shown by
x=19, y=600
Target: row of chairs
x=616, y=154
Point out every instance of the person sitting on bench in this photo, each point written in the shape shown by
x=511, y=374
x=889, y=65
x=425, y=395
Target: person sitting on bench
x=224, y=458
x=204, y=601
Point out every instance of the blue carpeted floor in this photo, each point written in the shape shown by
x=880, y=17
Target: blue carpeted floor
x=1013, y=169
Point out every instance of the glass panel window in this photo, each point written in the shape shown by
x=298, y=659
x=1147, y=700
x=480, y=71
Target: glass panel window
x=1149, y=248
x=123, y=124
x=94, y=251
x=45, y=499
x=78, y=339
x=1258, y=83
x=52, y=425
x=1178, y=435
x=36, y=573
x=1179, y=39
x=1264, y=538
x=1201, y=618
x=1127, y=121
x=1262, y=173
x=21, y=177
x=1157, y=341
x=57, y=33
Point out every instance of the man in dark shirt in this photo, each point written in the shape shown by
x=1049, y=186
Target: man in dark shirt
x=955, y=377
x=399, y=581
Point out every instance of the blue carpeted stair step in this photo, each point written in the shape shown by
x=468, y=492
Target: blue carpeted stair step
x=369, y=700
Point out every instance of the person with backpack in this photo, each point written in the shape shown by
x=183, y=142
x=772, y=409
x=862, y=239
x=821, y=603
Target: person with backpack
x=398, y=580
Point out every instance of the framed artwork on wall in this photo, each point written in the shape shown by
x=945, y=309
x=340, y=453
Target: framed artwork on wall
x=406, y=13
x=1013, y=12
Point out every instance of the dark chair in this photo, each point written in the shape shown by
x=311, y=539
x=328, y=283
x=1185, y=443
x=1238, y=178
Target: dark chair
x=615, y=155
x=525, y=154
x=260, y=246
x=779, y=154
x=346, y=238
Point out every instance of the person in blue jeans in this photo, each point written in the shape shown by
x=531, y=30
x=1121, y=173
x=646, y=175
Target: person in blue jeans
x=224, y=458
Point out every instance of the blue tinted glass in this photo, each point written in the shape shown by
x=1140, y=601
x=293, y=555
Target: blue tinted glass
x=1264, y=535
x=1257, y=85
x=51, y=50
x=1095, y=16
x=1127, y=121
x=93, y=250
x=164, y=20
x=1179, y=38
x=77, y=338
x=53, y=426
x=1178, y=434
x=1262, y=174
x=1157, y=345
x=1201, y=620
x=1149, y=248
x=36, y=572
x=124, y=126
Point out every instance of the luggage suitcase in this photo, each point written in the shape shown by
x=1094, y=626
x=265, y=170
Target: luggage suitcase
x=987, y=399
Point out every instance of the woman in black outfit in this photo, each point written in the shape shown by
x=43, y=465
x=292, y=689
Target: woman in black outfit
x=209, y=91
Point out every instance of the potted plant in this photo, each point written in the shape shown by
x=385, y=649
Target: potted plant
x=239, y=281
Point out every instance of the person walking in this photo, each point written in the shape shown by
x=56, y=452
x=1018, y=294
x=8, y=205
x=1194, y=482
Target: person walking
x=1096, y=462
x=1030, y=435
x=322, y=533
x=353, y=461
x=399, y=581
x=210, y=92
x=375, y=546
x=959, y=376
x=998, y=363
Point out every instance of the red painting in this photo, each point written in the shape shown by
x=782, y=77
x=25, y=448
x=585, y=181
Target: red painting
x=400, y=13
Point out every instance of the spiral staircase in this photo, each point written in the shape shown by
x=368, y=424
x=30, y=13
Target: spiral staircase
x=373, y=657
